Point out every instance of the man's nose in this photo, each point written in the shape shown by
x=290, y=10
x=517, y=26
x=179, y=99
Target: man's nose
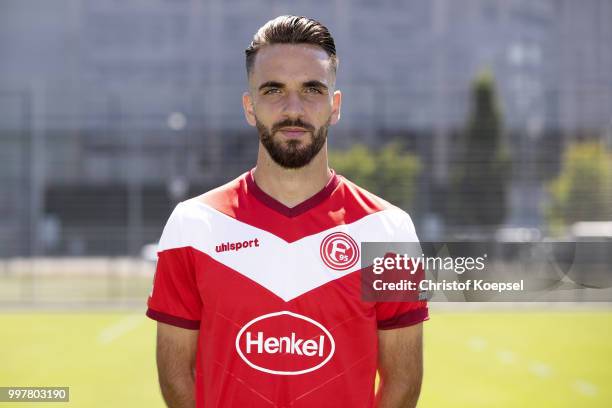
x=294, y=105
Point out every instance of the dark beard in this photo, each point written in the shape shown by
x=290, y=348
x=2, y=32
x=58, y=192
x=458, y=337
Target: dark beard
x=292, y=156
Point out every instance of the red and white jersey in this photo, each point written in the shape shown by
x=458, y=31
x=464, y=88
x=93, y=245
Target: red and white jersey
x=276, y=294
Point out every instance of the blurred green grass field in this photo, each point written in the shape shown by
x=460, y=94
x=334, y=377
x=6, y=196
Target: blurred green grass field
x=472, y=359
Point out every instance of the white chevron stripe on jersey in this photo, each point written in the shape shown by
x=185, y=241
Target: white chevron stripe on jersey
x=286, y=269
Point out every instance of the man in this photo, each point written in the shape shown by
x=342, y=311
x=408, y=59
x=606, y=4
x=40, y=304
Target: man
x=257, y=289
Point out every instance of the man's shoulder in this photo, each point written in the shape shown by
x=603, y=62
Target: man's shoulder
x=196, y=214
x=356, y=196
x=363, y=197
x=220, y=198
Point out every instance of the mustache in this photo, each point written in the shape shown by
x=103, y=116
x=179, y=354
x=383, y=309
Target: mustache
x=292, y=123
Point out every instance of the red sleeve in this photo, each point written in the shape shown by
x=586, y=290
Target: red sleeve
x=175, y=298
x=393, y=315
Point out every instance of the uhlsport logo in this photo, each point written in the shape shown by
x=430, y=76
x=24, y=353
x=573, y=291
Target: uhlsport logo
x=285, y=343
x=237, y=246
x=339, y=251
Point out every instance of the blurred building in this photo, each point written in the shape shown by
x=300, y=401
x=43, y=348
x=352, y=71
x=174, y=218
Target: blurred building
x=112, y=111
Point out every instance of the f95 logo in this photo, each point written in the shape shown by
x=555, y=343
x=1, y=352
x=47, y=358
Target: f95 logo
x=339, y=251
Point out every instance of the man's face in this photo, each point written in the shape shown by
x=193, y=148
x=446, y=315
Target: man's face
x=291, y=101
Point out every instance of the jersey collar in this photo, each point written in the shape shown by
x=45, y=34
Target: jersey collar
x=302, y=207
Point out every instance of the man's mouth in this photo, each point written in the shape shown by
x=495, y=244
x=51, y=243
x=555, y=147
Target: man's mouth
x=293, y=132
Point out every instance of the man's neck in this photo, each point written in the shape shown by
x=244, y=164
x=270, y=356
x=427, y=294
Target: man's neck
x=292, y=186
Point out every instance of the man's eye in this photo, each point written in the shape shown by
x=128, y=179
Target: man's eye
x=313, y=90
x=271, y=91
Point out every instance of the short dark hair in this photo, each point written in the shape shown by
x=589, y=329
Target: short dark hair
x=292, y=30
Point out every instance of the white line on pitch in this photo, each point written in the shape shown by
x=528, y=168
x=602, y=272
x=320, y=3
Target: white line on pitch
x=477, y=343
x=540, y=369
x=585, y=387
x=506, y=356
x=118, y=329
x=537, y=368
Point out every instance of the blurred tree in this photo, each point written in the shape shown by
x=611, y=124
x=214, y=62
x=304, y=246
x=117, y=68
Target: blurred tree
x=583, y=189
x=388, y=172
x=480, y=174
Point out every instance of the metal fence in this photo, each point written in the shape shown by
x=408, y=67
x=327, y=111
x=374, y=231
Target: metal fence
x=73, y=282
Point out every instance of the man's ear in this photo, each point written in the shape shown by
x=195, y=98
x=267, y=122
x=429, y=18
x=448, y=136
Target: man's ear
x=247, y=105
x=336, y=105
